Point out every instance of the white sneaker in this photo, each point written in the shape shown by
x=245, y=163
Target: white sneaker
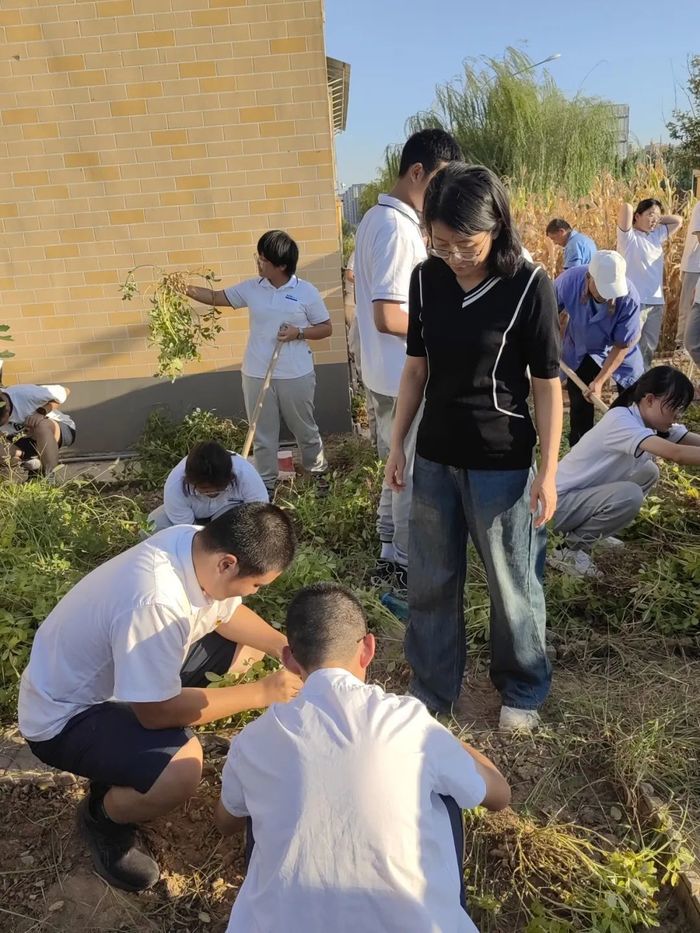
x=31, y=464
x=518, y=720
x=611, y=542
x=576, y=563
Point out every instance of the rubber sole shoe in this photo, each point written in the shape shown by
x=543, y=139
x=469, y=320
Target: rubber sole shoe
x=383, y=573
x=575, y=563
x=518, y=720
x=114, y=853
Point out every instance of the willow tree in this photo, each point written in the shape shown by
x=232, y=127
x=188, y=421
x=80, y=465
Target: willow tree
x=513, y=118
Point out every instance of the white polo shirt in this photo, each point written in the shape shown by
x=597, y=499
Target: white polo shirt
x=342, y=787
x=122, y=633
x=298, y=303
x=25, y=401
x=186, y=506
x=609, y=452
x=644, y=255
x=690, y=261
x=388, y=246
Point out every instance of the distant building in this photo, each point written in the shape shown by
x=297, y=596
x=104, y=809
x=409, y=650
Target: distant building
x=351, y=203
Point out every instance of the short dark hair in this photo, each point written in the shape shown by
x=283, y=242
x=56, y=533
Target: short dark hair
x=279, y=249
x=557, y=223
x=472, y=200
x=664, y=382
x=260, y=535
x=430, y=148
x=645, y=204
x=209, y=464
x=325, y=622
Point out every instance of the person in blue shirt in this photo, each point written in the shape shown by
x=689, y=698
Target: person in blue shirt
x=578, y=248
x=602, y=327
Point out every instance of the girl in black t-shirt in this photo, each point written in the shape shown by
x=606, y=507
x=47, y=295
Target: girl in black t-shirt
x=483, y=329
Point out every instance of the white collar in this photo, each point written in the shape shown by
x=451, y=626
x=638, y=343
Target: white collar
x=386, y=200
x=266, y=283
x=318, y=681
x=196, y=595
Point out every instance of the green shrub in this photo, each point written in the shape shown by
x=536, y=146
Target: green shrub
x=164, y=442
x=50, y=538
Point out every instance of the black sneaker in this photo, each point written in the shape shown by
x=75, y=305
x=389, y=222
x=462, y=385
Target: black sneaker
x=383, y=573
x=400, y=582
x=321, y=484
x=114, y=852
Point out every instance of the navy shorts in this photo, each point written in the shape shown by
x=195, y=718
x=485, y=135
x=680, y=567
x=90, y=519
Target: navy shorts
x=107, y=743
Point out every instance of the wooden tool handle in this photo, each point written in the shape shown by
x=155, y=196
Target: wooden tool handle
x=570, y=374
x=253, y=423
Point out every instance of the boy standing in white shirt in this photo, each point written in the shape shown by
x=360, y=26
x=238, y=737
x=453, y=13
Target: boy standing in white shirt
x=33, y=425
x=388, y=245
x=353, y=795
x=116, y=672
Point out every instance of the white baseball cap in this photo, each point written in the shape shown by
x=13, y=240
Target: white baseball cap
x=608, y=270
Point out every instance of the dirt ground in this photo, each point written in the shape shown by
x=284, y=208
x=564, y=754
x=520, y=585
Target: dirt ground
x=46, y=877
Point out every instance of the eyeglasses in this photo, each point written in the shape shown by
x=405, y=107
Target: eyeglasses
x=455, y=254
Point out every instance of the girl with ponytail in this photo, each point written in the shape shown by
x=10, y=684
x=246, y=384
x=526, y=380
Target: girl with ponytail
x=603, y=480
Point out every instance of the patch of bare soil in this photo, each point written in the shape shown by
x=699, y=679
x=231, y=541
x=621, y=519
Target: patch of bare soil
x=47, y=882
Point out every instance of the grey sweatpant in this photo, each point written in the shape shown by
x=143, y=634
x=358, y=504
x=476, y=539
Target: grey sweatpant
x=394, y=507
x=689, y=281
x=585, y=515
x=652, y=319
x=293, y=400
x=691, y=340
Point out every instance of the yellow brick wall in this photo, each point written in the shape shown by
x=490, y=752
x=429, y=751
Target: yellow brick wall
x=171, y=132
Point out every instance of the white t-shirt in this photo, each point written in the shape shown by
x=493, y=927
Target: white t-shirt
x=644, y=255
x=298, y=303
x=388, y=246
x=186, y=506
x=25, y=401
x=691, y=251
x=609, y=452
x=122, y=633
x=342, y=786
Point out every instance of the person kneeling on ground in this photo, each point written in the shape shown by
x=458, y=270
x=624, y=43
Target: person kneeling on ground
x=207, y=482
x=602, y=481
x=351, y=796
x=34, y=427
x=115, y=673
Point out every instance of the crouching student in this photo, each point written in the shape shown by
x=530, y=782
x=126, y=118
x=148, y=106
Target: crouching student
x=602, y=481
x=116, y=672
x=207, y=482
x=353, y=795
x=34, y=427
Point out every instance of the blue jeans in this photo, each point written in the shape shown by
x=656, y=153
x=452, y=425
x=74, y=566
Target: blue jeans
x=493, y=508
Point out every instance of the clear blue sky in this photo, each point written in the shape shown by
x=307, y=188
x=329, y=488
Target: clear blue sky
x=627, y=51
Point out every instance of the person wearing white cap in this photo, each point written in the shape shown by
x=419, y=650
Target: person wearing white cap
x=603, y=325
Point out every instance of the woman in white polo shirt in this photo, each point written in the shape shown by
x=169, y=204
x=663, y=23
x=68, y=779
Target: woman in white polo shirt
x=641, y=235
x=209, y=481
x=281, y=307
x=603, y=480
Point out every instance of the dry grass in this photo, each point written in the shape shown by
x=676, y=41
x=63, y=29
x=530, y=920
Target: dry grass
x=596, y=215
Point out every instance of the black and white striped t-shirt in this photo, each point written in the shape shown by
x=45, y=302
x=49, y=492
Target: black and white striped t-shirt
x=479, y=346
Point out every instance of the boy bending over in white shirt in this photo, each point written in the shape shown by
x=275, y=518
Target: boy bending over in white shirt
x=354, y=796
x=34, y=427
x=116, y=672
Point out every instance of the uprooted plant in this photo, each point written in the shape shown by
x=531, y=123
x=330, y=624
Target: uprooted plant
x=175, y=327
